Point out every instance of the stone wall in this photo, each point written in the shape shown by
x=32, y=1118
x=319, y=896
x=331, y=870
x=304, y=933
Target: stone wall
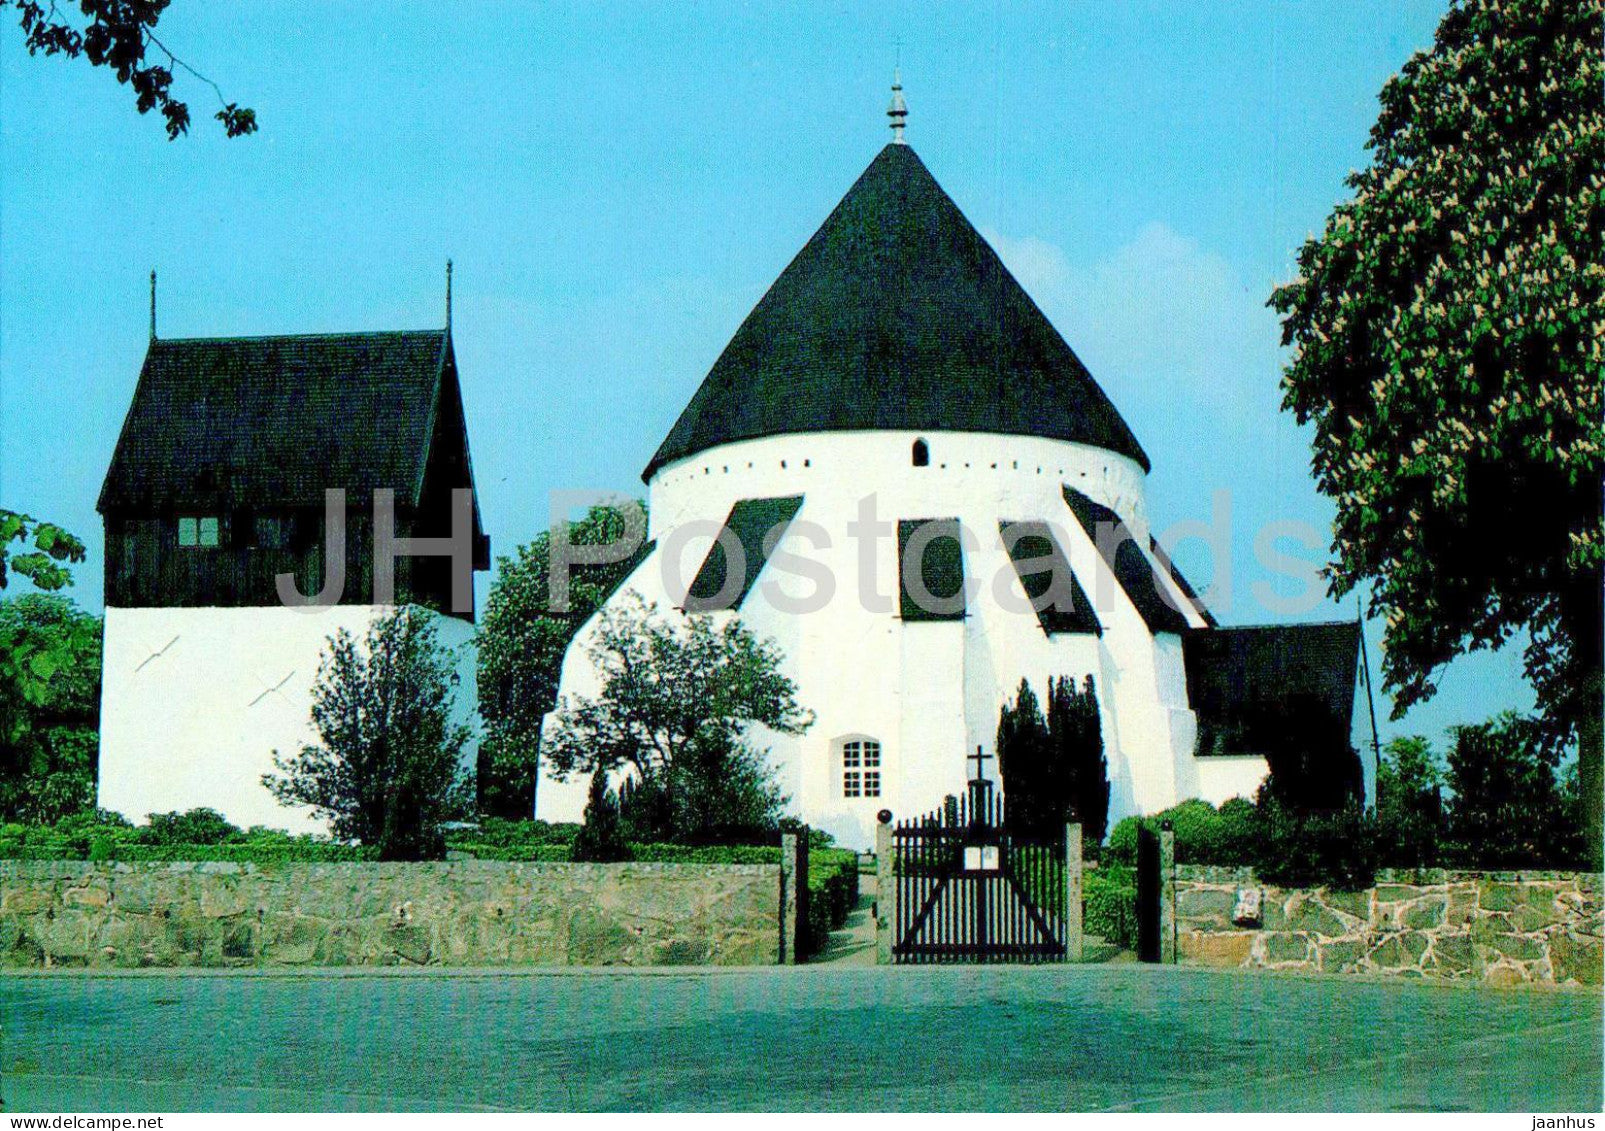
x=1503, y=929
x=458, y=913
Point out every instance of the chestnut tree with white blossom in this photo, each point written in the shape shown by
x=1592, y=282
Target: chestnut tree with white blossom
x=1448, y=339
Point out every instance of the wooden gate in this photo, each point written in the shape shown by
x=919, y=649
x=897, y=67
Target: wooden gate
x=969, y=890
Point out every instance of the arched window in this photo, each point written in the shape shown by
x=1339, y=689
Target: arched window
x=922, y=454
x=859, y=766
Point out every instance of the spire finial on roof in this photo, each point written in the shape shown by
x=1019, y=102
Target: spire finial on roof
x=448, y=295
x=153, y=304
x=898, y=110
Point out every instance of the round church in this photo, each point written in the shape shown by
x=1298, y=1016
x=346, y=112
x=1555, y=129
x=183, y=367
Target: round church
x=926, y=498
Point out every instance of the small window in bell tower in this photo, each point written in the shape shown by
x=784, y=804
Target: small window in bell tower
x=922, y=454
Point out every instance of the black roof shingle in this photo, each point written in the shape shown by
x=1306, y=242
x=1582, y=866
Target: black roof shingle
x=897, y=315
x=1243, y=680
x=757, y=526
x=276, y=420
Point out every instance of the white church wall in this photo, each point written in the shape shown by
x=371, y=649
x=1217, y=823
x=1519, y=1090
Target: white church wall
x=195, y=700
x=848, y=465
x=928, y=691
x=1221, y=778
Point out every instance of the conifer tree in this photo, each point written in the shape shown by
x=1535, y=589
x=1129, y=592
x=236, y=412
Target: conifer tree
x=601, y=837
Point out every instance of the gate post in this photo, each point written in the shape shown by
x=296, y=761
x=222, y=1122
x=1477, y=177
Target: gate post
x=1167, y=893
x=1074, y=949
x=793, y=897
x=885, y=889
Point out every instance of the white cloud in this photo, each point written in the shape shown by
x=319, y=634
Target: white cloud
x=1161, y=319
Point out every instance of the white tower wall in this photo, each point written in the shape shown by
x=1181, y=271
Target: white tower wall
x=194, y=701
x=928, y=691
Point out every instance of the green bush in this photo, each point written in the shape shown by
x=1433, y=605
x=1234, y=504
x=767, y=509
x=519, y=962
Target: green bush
x=504, y=832
x=1333, y=849
x=1204, y=834
x=103, y=836
x=1109, y=904
x=193, y=826
x=832, y=893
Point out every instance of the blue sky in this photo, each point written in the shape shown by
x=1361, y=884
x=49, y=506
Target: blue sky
x=618, y=185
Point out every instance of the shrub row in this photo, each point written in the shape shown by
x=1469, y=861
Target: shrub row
x=1109, y=902
x=1335, y=849
x=832, y=893
x=199, y=835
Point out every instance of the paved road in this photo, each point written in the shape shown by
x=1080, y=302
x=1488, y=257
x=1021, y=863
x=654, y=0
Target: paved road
x=838, y=1037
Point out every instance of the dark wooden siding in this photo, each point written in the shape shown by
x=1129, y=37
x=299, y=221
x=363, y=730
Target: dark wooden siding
x=146, y=567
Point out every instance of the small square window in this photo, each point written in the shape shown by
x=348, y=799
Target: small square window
x=872, y=783
x=852, y=783
x=198, y=531
x=872, y=754
x=852, y=754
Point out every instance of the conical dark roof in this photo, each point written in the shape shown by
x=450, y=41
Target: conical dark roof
x=897, y=315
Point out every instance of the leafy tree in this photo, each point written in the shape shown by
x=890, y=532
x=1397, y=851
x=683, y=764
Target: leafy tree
x=676, y=707
x=1314, y=768
x=601, y=837
x=1448, y=329
x=42, y=565
x=387, y=773
x=1409, y=804
x=119, y=35
x=50, y=657
x=723, y=793
x=1509, y=809
x=522, y=640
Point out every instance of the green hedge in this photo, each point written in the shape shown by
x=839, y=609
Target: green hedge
x=1109, y=897
x=832, y=893
x=1204, y=834
x=499, y=832
x=106, y=837
x=1335, y=849
x=518, y=853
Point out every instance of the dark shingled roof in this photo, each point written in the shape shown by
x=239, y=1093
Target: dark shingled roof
x=1182, y=583
x=1056, y=596
x=1241, y=680
x=941, y=569
x=757, y=525
x=1125, y=559
x=276, y=420
x=897, y=315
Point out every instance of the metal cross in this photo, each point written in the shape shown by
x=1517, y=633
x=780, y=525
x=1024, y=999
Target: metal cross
x=980, y=759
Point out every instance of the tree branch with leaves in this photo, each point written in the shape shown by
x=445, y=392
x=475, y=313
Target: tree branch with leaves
x=44, y=564
x=387, y=768
x=121, y=36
